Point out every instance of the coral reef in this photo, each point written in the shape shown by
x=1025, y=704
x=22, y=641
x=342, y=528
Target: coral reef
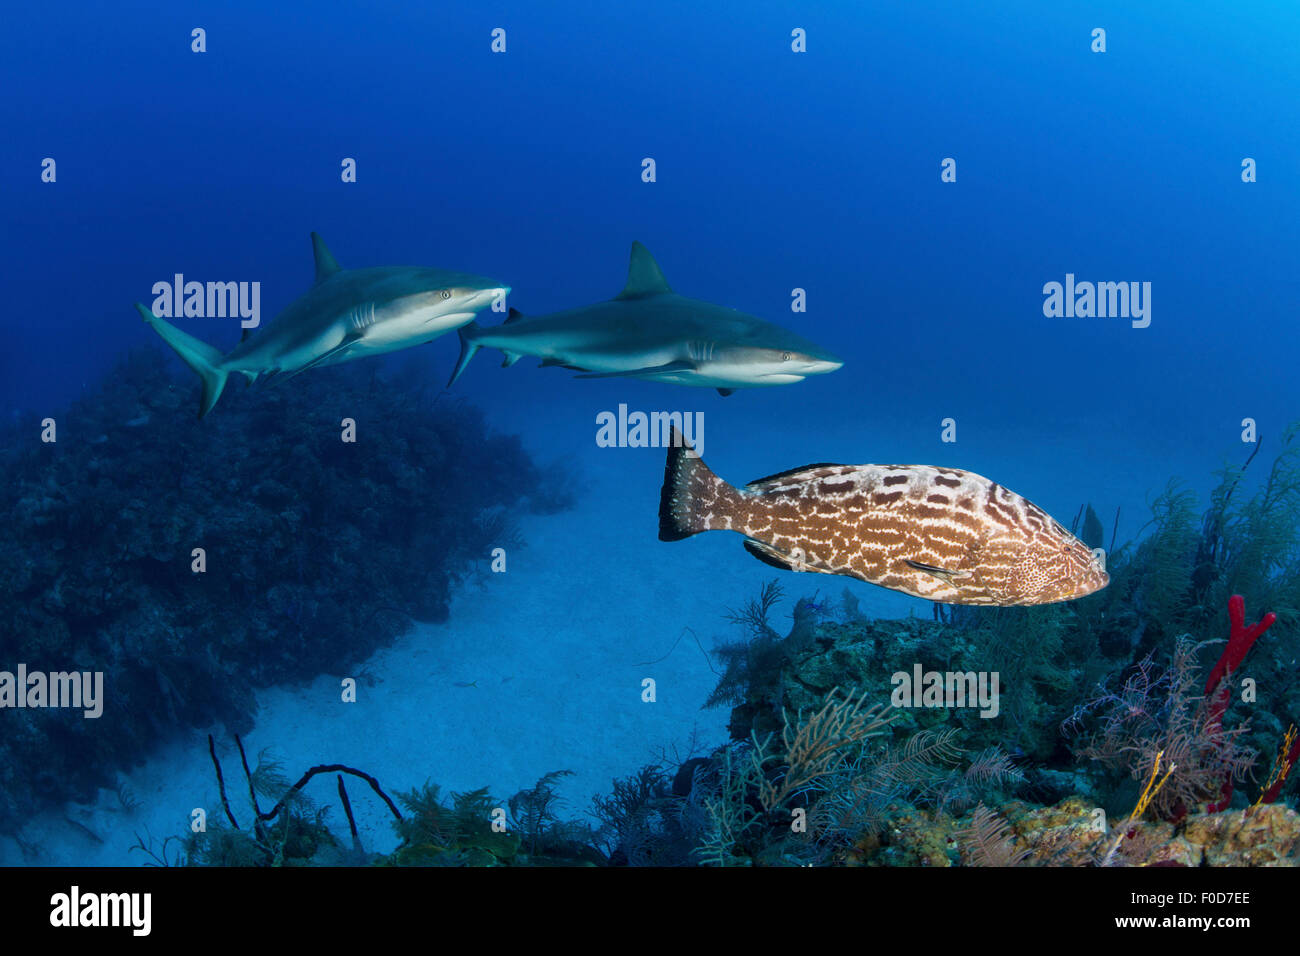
x=1067, y=835
x=1120, y=738
x=1161, y=717
x=472, y=830
x=1160, y=729
x=317, y=551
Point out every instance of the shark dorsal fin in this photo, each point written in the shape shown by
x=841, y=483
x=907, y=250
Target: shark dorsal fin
x=644, y=277
x=326, y=264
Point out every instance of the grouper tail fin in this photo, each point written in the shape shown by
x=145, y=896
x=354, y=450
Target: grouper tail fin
x=693, y=498
x=203, y=358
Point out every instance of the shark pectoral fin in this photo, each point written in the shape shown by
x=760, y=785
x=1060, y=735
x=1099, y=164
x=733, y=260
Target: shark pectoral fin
x=285, y=376
x=326, y=264
x=338, y=350
x=347, y=343
x=942, y=573
x=678, y=366
x=448, y=320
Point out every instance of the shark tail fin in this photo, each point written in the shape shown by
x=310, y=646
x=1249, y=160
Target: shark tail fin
x=692, y=494
x=201, y=357
x=468, y=346
x=467, y=349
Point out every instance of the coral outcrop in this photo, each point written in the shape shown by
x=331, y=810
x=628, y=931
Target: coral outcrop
x=315, y=551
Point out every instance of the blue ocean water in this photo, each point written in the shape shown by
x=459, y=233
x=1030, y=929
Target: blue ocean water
x=776, y=170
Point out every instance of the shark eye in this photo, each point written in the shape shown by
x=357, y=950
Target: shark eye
x=446, y=293
x=785, y=356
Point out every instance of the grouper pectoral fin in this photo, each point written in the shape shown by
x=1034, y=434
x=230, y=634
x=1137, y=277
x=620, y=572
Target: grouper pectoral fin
x=779, y=559
x=942, y=574
x=679, y=366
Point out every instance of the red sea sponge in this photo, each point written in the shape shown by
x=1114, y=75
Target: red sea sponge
x=1240, y=641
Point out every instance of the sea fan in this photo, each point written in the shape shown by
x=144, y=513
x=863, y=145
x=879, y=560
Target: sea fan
x=990, y=841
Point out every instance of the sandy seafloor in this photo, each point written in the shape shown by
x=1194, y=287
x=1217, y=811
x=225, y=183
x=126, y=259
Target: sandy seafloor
x=557, y=647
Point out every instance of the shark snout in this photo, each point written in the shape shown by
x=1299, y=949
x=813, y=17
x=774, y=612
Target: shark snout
x=804, y=364
x=483, y=298
x=820, y=366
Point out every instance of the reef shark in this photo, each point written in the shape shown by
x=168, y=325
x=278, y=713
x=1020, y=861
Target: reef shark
x=347, y=314
x=648, y=331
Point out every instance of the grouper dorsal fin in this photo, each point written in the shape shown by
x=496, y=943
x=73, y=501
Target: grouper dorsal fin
x=644, y=277
x=326, y=264
x=823, y=469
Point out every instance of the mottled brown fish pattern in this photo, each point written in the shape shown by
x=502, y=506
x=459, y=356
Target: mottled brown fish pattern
x=942, y=534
